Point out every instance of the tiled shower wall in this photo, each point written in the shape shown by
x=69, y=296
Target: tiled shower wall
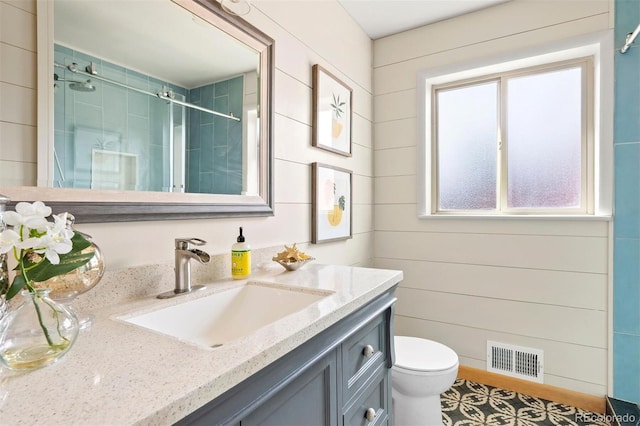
x=215, y=148
x=626, y=275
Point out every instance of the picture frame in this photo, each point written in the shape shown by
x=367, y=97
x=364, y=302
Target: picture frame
x=331, y=192
x=332, y=112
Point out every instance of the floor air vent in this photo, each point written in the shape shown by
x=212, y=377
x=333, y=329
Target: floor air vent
x=515, y=361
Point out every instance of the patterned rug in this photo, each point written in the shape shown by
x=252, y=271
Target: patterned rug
x=470, y=404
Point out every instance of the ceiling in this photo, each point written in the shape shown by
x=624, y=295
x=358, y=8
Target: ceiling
x=380, y=18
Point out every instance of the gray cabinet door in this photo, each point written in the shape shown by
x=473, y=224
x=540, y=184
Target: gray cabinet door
x=309, y=400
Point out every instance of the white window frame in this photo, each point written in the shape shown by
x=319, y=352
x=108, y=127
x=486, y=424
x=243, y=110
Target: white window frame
x=599, y=46
x=502, y=143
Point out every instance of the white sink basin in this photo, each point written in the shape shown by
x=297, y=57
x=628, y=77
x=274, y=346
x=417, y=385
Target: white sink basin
x=216, y=319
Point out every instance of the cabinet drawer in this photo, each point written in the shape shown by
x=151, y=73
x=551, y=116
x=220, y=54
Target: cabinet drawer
x=362, y=354
x=369, y=408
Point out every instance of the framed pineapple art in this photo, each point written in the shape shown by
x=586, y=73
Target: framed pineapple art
x=330, y=203
x=332, y=112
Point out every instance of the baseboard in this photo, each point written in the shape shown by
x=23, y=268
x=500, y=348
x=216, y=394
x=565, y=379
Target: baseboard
x=596, y=404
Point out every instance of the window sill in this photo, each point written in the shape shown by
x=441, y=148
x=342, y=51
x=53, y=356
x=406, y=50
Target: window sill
x=460, y=216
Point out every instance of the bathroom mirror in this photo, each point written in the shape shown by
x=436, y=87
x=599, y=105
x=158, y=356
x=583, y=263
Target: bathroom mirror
x=152, y=110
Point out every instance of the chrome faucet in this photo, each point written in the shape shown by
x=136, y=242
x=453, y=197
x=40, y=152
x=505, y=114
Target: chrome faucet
x=183, y=255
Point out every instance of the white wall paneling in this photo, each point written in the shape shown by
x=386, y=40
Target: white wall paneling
x=18, y=92
x=541, y=283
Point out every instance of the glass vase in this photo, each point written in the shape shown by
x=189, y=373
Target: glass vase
x=37, y=332
x=65, y=288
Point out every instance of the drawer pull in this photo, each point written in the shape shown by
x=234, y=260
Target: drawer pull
x=368, y=351
x=370, y=414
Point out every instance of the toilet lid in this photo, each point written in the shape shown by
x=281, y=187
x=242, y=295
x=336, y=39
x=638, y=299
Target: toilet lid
x=413, y=353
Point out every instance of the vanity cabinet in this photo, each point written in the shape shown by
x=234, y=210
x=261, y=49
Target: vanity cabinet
x=341, y=376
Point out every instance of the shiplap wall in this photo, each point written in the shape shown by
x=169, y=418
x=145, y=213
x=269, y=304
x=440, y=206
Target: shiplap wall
x=17, y=92
x=535, y=283
x=301, y=40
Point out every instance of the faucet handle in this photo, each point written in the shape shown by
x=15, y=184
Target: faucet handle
x=183, y=243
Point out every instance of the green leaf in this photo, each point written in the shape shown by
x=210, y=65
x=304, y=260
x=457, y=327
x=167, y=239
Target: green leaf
x=336, y=105
x=342, y=202
x=79, y=242
x=68, y=262
x=17, y=285
x=39, y=271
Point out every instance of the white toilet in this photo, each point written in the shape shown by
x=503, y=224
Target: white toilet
x=423, y=369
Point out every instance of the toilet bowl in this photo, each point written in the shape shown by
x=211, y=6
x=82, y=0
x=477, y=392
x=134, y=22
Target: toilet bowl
x=423, y=369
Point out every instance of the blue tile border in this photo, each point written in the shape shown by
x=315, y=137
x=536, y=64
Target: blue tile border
x=627, y=190
x=627, y=84
x=626, y=363
x=626, y=289
x=626, y=256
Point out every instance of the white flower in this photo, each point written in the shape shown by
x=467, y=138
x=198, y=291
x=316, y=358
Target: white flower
x=8, y=240
x=28, y=243
x=34, y=239
x=31, y=215
x=56, y=241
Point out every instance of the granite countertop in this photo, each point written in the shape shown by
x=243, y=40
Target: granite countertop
x=118, y=373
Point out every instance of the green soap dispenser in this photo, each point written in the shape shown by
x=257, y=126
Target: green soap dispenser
x=240, y=258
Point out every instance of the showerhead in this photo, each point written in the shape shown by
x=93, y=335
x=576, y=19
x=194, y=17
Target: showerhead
x=82, y=86
x=78, y=86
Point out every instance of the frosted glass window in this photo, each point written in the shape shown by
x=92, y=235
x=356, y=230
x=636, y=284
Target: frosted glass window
x=544, y=137
x=467, y=136
x=514, y=142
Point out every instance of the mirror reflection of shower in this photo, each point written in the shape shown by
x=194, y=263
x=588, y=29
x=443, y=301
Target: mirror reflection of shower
x=119, y=129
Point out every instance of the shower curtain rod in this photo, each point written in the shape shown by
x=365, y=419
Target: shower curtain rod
x=166, y=95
